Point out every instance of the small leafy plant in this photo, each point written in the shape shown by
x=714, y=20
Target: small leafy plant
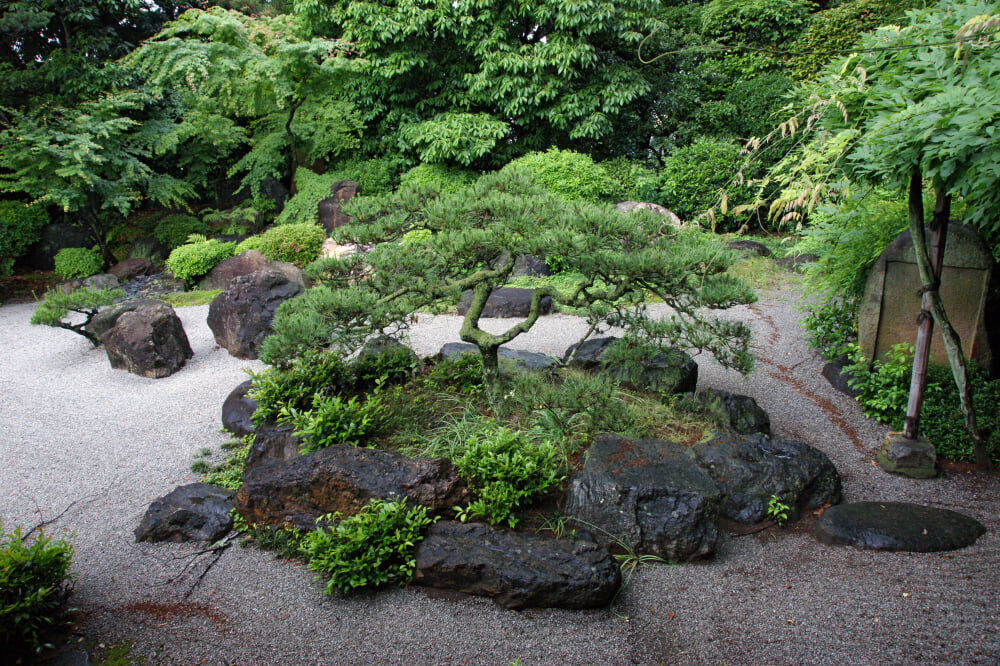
x=507, y=471
x=374, y=547
x=335, y=419
x=298, y=244
x=197, y=257
x=35, y=582
x=885, y=388
x=294, y=387
x=777, y=511
x=77, y=262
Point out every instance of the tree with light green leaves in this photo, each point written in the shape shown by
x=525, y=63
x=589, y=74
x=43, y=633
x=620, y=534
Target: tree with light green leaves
x=263, y=72
x=478, y=83
x=430, y=247
x=917, y=104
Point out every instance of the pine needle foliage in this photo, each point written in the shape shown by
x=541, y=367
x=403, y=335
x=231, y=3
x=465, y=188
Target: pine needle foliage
x=471, y=239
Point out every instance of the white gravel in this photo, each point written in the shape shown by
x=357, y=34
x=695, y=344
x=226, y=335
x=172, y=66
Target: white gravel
x=100, y=444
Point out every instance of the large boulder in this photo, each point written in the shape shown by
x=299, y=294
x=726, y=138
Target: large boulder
x=238, y=409
x=195, y=512
x=104, y=320
x=148, y=341
x=273, y=441
x=518, y=570
x=240, y=317
x=649, y=496
x=506, y=302
x=741, y=413
x=343, y=479
x=897, y=526
x=669, y=373
x=246, y=263
x=521, y=359
x=330, y=214
x=96, y=282
x=749, y=470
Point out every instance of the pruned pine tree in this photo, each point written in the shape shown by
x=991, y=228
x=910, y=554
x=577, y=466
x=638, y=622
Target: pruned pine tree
x=55, y=310
x=430, y=247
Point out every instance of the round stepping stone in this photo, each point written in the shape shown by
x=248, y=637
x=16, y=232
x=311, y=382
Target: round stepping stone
x=897, y=526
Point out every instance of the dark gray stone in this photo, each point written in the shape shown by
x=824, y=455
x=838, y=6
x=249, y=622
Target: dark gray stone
x=836, y=372
x=155, y=286
x=104, y=320
x=238, y=409
x=195, y=512
x=587, y=356
x=524, y=360
x=330, y=213
x=97, y=282
x=749, y=470
x=240, y=317
x=506, y=303
x=517, y=570
x=749, y=247
x=915, y=458
x=275, y=190
x=897, y=526
x=246, y=263
x=668, y=372
x=741, y=412
x=54, y=237
x=524, y=265
x=273, y=442
x=148, y=341
x=343, y=479
x=129, y=269
x=648, y=495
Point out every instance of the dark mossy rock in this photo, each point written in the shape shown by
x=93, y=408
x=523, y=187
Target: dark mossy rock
x=915, y=458
x=240, y=317
x=238, y=409
x=506, y=303
x=516, y=569
x=343, y=479
x=740, y=412
x=749, y=470
x=671, y=372
x=195, y=512
x=647, y=495
x=897, y=526
x=521, y=359
x=587, y=355
x=837, y=373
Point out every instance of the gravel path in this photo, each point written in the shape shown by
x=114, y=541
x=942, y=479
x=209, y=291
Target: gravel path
x=90, y=447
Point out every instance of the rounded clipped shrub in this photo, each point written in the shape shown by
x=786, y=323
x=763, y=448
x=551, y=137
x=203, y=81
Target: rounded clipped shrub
x=437, y=177
x=693, y=175
x=174, y=230
x=193, y=260
x=35, y=583
x=20, y=226
x=298, y=244
x=78, y=262
x=573, y=175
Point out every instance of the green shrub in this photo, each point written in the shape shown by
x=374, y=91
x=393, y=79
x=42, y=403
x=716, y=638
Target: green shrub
x=35, y=582
x=20, y=226
x=229, y=473
x=462, y=373
x=755, y=21
x=631, y=180
x=78, y=262
x=173, y=230
x=335, y=419
x=573, y=175
x=693, y=175
x=394, y=363
x=376, y=176
x=87, y=302
x=885, y=391
x=193, y=260
x=313, y=373
x=438, y=177
x=298, y=244
x=507, y=471
x=831, y=326
x=374, y=547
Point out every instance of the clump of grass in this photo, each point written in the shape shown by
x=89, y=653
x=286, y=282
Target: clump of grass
x=183, y=299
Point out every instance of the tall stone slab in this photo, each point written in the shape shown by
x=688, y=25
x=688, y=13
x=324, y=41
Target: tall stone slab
x=970, y=289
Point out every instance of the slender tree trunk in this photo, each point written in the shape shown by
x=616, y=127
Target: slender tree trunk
x=293, y=158
x=952, y=341
x=925, y=327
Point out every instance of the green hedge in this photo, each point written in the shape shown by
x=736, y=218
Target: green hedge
x=189, y=262
x=20, y=226
x=693, y=175
x=78, y=262
x=298, y=244
x=573, y=175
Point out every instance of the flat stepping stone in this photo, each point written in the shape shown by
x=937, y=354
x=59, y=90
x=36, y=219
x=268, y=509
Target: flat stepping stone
x=897, y=526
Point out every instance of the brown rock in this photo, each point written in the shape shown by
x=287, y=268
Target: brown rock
x=240, y=317
x=330, y=214
x=148, y=341
x=129, y=269
x=246, y=263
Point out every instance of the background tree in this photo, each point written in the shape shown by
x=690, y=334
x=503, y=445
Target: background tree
x=431, y=247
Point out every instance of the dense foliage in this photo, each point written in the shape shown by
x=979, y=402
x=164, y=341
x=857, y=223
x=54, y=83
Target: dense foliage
x=77, y=262
x=20, y=226
x=55, y=309
x=35, y=582
x=297, y=244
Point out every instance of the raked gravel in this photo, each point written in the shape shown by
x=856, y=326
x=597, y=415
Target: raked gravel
x=91, y=447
